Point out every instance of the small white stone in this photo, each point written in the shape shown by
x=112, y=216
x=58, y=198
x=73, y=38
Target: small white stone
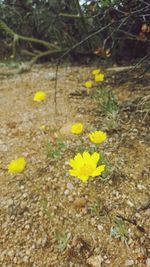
x=24, y=195
x=100, y=227
x=92, y=221
x=70, y=186
x=25, y=259
x=148, y=262
x=27, y=226
x=15, y=259
x=141, y=187
x=40, y=213
x=28, y=252
x=95, y=261
x=70, y=198
x=33, y=246
x=129, y=262
x=10, y=253
x=130, y=203
x=107, y=261
x=66, y=192
x=22, y=187
x=44, y=240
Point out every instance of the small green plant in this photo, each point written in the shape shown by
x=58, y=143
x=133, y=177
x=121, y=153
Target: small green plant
x=106, y=101
x=55, y=150
x=44, y=204
x=119, y=230
x=94, y=209
x=51, y=152
x=61, y=144
x=108, y=170
x=62, y=239
x=112, y=121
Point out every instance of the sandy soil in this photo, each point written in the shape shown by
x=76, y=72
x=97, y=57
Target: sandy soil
x=49, y=219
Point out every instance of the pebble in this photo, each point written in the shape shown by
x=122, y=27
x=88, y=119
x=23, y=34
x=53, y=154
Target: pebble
x=44, y=240
x=27, y=226
x=10, y=202
x=12, y=217
x=148, y=262
x=22, y=187
x=107, y=261
x=66, y=192
x=25, y=259
x=70, y=186
x=10, y=253
x=93, y=221
x=24, y=195
x=100, y=227
x=79, y=203
x=28, y=252
x=129, y=262
x=15, y=259
x=130, y=203
x=95, y=261
x=40, y=213
x=141, y=187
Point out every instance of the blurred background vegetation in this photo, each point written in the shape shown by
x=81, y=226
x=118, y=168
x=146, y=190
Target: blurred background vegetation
x=114, y=29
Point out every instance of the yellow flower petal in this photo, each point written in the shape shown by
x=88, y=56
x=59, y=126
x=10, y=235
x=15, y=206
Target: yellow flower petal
x=83, y=178
x=72, y=172
x=99, y=77
x=96, y=71
x=88, y=84
x=86, y=156
x=17, y=166
x=78, y=158
x=42, y=127
x=78, y=161
x=98, y=170
x=39, y=96
x=77, y=128
x=98, y=137
x=72, y=163
x=85, y=165
x=95, y=158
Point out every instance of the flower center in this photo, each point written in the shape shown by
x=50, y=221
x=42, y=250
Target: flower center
x=86, y=170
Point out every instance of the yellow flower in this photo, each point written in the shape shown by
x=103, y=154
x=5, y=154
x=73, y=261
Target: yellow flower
x=98, y=137
x=77, y=128
x=88, y=84
x=84, y=166
x=99, y=77
x=42, y=127
x=96, y=71
x=39, y=96
x=17, y=165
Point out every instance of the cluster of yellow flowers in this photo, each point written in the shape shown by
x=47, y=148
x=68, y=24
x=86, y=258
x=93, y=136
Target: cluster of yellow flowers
x=18, y=165
x=98, y=77
x=85, y=165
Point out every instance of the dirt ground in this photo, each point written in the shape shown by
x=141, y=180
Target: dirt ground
x=49, y=219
